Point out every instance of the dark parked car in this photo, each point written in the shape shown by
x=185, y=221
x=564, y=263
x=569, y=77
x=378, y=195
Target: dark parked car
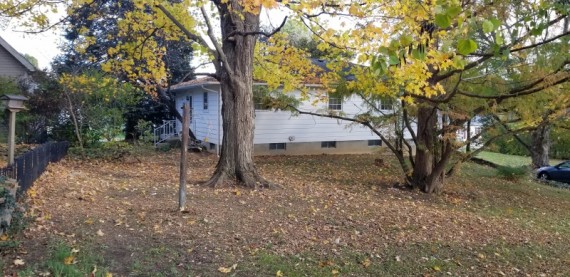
x=560, y=172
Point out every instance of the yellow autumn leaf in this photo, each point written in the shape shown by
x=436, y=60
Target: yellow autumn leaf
x=335, y=272
x=436, y=268
x=108, y=274
x=69, y=260
x=279, y=273
x=4, y=237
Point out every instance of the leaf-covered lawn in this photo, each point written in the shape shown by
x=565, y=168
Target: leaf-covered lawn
x=337, y=215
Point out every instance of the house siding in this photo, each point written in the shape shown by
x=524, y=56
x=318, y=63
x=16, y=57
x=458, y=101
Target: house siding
x=282, y=126
x=9, y=66
x=303, y=134
x=205, y=123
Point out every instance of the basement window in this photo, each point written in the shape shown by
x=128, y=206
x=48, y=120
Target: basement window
x=328, y=144
x=277, y=146
x=212, y=146
x=374, y=142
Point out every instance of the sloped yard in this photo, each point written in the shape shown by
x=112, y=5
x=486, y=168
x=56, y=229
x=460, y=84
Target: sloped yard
x=337, y=215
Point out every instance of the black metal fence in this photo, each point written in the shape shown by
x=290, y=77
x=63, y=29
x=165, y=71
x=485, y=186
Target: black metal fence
x=30, y=165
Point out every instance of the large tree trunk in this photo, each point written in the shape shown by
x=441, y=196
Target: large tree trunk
x=540, y=146
x=423, y=175
x=236, y=158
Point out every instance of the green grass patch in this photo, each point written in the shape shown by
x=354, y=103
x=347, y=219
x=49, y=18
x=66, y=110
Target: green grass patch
x=517, y=195
x=67, y=261
x=508, y=160
x=161, y=260
x=413, y=260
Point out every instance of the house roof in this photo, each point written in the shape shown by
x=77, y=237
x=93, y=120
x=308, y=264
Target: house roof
x=193, y=83
x=322, y=64
x=183, y=86
x=25, y=63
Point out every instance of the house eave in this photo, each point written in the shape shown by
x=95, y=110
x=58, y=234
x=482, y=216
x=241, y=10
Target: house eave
x=184, y=88
x=29, y=66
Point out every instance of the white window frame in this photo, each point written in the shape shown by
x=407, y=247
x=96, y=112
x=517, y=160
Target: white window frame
x=333, y=105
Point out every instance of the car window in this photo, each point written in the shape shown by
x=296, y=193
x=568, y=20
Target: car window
x=565, y=165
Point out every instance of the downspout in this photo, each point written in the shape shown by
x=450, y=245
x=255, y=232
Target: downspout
x=219, y=92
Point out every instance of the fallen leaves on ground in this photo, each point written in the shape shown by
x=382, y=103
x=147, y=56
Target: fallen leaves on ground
x=328, y=204
x=19, y=262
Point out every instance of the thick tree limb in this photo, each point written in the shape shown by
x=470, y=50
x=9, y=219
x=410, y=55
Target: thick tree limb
x=240, y=33
x=187, y=33
x=487, y=56
x=528, y=46
x=516, y=136
x=516, y=93
x=408, y=123
x=221, y=55
x=483, y=147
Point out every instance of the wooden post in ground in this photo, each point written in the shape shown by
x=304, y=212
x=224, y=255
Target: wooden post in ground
x=183, y=162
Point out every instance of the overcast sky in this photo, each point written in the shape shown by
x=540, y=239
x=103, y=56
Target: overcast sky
x=45, y=46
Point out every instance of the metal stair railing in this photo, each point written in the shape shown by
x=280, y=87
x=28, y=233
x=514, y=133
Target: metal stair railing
x=165, y=131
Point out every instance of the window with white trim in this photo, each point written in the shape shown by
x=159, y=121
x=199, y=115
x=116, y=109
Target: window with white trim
x=335, y=103
x=387, y=104
x=259, y=100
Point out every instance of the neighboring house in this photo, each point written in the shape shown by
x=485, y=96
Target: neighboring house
x=279, y=132
x=12, y=64
x=474, y=128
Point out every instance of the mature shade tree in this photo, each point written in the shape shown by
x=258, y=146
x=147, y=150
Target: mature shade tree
x=232, y=54
x=446, y=61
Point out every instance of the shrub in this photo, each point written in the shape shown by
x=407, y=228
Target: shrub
x=144, y=130
x=512, y=173
x=164, y=147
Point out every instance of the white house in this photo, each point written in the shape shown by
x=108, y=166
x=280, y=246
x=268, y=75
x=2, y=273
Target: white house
x=471, y=130
x=279, y=132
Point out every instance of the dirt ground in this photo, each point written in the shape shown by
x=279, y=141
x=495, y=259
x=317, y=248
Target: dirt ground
x=340, y=214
